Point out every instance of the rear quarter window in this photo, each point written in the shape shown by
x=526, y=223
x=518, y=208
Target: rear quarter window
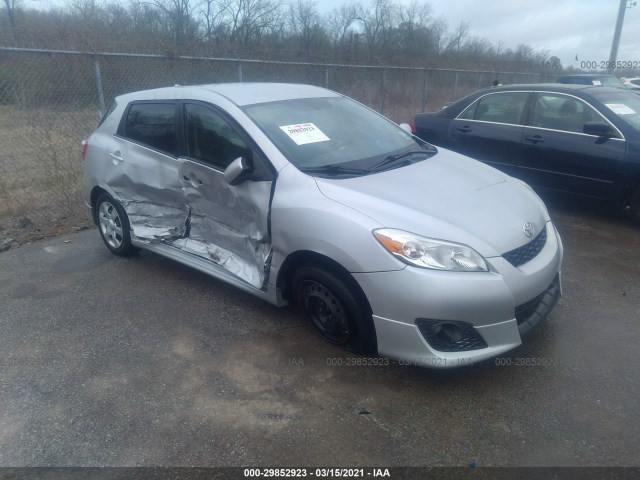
x=152, y=125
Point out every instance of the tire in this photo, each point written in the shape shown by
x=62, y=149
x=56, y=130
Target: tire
x=113, y=225
x=333, y=309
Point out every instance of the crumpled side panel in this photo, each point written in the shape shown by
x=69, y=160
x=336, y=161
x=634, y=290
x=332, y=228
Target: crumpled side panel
x=235, y=264
x=232, y=220
x=148, y=187
x=191, y=207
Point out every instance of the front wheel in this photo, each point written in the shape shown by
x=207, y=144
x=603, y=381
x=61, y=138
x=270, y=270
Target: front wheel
x=334, y=310
x=113, y=224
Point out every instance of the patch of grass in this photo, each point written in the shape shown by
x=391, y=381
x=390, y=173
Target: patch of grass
x=40, y=163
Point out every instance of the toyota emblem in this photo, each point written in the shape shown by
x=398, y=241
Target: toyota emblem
x=529, y=229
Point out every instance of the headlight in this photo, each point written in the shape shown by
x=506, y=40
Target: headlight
x=429, y=253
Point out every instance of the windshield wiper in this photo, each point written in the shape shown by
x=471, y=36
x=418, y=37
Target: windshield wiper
x=335, y=169
x=398, y=156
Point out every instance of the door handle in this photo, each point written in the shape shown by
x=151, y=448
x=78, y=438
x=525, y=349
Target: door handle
x=535, y=139
x=115, y=156
x=464, y=129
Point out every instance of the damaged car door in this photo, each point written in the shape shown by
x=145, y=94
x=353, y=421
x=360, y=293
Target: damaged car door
x=227, y=223
x=144, y=175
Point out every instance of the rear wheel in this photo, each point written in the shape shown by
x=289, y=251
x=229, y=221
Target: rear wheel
x=334, y=310
x=113, y=224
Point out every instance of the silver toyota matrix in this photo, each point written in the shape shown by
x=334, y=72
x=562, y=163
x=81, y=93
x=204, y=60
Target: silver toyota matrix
x=300, y=195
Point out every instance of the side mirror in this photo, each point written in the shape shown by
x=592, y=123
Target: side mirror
x=406, y=127
x=599, y=129
x=234, y=174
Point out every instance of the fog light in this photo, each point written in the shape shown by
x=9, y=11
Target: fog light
x=450, y=336
x=448, y=332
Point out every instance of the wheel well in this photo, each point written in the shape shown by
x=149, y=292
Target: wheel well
x=308, y=258
x=95, y=193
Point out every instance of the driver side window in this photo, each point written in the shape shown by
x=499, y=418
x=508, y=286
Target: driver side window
x=210, y=138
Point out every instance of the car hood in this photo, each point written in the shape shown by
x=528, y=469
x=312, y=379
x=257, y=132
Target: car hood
x=447, y=197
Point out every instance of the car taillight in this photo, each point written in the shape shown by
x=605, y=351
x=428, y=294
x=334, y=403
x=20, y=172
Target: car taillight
x=413, y=126
x=84, y=149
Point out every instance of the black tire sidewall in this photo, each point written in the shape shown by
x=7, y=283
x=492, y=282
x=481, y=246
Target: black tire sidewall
x=126, y=248
x=363, y=339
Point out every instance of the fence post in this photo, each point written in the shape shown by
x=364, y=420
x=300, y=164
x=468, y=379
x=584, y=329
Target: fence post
x=382, y=89
x=424, y=89
x=326, y=76
x=480, y=81
x=455, y=88
x=240, y=70
x=96, y=67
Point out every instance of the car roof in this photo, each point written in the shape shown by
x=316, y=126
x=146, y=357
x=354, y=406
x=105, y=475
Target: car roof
x=239, y=93
x=586, y=75
x=558, y=87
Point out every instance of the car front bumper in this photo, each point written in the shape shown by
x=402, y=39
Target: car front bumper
x=502, y=305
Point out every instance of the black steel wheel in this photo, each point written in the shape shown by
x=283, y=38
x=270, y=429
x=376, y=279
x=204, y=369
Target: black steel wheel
x=334, y=310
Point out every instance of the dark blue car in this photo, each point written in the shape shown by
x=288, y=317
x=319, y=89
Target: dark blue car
x=580, y=139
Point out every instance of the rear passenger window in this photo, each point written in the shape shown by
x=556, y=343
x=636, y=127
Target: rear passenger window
x=504, y=107
x=153, y=125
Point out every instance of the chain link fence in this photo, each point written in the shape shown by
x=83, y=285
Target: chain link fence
x=51, y=100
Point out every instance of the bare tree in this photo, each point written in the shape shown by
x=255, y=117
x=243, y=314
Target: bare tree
x=10, y=7
x=414, y=14
x=338, y=21
x=178, y=15
x=250, y=18
x=412, y=33
x=457, y=38
x=377, y=23
x=213, y=14
x=303, y=17
x=438, y=33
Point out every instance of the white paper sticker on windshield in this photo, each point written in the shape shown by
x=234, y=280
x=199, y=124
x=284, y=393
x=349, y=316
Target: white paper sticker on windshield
x=620, y=108
x=596, y=82
x=304, y=133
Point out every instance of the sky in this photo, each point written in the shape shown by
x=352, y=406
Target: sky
x=564, y=28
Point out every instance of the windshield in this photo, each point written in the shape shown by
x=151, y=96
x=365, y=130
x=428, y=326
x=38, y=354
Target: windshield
x=336, y=137
x=626, y=106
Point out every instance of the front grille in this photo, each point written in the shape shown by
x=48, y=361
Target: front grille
x=469, y=338
x=528, y=252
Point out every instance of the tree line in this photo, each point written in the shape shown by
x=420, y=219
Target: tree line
x=374, y=32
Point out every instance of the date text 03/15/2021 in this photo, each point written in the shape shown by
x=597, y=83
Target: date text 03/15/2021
x=316, y=472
